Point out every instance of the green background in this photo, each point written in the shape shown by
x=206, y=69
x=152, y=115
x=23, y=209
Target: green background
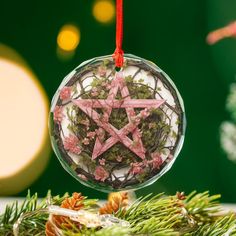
x=172, y=34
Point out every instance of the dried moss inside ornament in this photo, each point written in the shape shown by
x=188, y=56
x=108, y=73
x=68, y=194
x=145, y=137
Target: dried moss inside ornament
x=117, y=130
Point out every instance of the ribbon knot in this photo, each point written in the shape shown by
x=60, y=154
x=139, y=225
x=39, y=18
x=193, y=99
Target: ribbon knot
x=118, y=56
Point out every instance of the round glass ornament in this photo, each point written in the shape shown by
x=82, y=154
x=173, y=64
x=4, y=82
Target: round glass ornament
x=115, y=130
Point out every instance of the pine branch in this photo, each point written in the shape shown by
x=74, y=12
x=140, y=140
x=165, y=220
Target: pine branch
x=114, y=231
x=197, y=214
x=224, y=225
x=178, y=214
x=33, y=226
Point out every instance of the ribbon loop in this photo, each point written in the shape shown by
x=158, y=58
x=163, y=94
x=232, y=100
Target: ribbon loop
x=119, y=53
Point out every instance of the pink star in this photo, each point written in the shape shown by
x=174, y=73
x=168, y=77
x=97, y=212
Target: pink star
x=88, y=105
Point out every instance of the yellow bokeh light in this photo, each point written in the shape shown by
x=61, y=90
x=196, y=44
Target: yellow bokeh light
x=68, y=38
x=104, y=11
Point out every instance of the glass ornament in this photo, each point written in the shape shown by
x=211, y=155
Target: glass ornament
x=117, y=130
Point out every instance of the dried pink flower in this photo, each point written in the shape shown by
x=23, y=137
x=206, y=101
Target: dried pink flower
x=108, y=86
x=144, y=113
x=145, y=162
x=85, y=122
x=156, y=160
x=65, y=93
x=83, y=177
x=136, y=168
x=58, y=114
x=85, y=141
x=169, y=158
x=102, y=162
x=100, y=173
x=91, y=135
x=71, y=144
x=137, y=120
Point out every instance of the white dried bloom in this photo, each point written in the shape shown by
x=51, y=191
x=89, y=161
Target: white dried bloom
x=228, y=139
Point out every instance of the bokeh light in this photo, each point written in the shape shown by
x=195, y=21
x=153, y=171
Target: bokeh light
x=23, y=124
x=104, y=11
x=68, y=37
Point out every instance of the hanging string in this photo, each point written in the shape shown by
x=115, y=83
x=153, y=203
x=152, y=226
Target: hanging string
x=119, y=53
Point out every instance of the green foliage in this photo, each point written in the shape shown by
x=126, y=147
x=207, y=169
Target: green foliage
x=177, y=215
x=32, y=226
x=160, y=215
x=113, y=230
x=225, y=225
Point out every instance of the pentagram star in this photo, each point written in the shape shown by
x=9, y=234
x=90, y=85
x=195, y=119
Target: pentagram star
x=88, y=106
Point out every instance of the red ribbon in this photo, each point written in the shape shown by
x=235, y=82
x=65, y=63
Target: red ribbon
x=119, y=53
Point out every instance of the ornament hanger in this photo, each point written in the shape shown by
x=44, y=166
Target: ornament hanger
x=119, y=53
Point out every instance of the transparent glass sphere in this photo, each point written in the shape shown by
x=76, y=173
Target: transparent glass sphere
x=117, y=130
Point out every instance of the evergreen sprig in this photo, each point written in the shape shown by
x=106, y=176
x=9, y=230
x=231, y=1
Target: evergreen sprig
x=34, y=225
x=197, y=214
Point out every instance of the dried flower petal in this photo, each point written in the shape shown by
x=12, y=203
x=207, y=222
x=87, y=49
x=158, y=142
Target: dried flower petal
x=108, y=86
x=85, y=141
x=102, y=162
x=156, y=160
x=144, y=113
x=65, y=93
x=100, y=174
x=71, y=144
x=83, y=177
x=58, y=114
x=91, y=135
x=85, y=122
x=136, y=168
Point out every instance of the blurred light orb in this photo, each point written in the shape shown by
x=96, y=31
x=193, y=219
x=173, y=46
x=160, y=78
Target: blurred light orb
x=104, y=11
x=24, y=140
x=68, y=37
